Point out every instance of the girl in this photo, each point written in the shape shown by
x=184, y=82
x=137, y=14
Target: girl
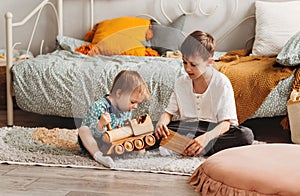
x=128, y=90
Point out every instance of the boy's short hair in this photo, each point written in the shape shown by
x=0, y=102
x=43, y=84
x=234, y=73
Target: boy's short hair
x=130, y=82
x=198, y=43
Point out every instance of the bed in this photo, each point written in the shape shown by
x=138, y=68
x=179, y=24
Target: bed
x=65, y=82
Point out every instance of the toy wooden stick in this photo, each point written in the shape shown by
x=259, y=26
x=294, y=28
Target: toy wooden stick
x=175, y=142
x=109, y=127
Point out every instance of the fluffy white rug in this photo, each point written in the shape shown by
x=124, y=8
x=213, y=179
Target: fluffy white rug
x=18, y=147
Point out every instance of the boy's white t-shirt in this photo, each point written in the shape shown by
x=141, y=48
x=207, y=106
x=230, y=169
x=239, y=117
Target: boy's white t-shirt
x=216, y=104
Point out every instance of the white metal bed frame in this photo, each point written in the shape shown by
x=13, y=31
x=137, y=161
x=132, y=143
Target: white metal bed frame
x=9, y=43
x=59, y=15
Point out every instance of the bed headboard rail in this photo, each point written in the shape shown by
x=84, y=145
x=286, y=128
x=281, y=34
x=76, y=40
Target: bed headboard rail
x=61, y=15
x=37, y=10
x=9, y=57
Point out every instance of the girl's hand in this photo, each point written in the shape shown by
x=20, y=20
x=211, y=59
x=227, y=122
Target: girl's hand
x=103, y=120
x=161, y=130
x=196, y=146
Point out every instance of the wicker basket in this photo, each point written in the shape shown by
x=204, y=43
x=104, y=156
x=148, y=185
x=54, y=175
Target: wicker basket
x=294, y=120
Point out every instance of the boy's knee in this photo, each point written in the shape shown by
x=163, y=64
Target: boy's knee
x=247, y=135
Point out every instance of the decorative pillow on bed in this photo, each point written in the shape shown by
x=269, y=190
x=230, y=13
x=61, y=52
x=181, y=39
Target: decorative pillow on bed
x=290, y=53
x=276, y=22
x=122, y=35
x=69, y=43
x=168, y=37
x=130, y=26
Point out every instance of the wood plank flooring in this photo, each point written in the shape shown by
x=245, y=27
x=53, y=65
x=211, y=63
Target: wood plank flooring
x=39, y=180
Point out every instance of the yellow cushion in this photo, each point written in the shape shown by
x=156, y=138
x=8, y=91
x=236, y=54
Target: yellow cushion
x=121, y=36
x=128, y=26
x=118, y=43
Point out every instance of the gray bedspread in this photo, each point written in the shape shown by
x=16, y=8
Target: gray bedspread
x=65, y=84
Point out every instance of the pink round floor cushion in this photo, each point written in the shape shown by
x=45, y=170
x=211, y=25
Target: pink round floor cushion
x=266, y=169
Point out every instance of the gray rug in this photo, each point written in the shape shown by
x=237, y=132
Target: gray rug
x=18, y=147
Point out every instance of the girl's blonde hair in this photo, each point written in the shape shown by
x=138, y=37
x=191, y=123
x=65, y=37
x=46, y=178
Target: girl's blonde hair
x=130, y=82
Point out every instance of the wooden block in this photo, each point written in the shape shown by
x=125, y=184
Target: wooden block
x=175, y=142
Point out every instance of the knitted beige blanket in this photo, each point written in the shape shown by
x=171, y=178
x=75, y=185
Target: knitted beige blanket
x=252, y=78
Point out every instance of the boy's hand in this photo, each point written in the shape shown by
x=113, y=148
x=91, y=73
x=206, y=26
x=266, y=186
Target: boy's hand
x=196, y=146
x=161, y=130
x=104, y=120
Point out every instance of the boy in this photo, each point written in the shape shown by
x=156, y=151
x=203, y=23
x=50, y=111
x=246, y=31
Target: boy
x=204, y=101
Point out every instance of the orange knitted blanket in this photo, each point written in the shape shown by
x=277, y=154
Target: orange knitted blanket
x=252, y=78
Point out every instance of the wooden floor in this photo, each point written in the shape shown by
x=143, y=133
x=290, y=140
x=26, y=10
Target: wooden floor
x=39, y=180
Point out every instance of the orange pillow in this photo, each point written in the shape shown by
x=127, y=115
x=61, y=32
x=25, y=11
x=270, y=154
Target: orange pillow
x=128, y=26
x=119, y=43
x=122, y=35
x=119, y=36
x=93, y=49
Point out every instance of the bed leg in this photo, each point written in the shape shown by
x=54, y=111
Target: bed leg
x=9, y=99
x=9, y=62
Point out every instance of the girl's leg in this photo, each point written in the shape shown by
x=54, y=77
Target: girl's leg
x=90, y=144
x=88, y=139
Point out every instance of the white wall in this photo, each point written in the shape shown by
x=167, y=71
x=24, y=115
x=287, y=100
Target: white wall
x=46, y=27
x=77, y=21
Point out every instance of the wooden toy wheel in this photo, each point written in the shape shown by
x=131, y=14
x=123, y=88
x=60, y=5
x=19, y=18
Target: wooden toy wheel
x=119, y=149
x=139, y=143
x=128, y=145
x=150, y=140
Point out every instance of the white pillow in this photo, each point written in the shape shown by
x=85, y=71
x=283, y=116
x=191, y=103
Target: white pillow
x=276, y=22
x=69, y=43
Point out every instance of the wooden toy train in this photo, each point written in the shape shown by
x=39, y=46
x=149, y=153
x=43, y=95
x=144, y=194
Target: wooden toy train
x=134, y=136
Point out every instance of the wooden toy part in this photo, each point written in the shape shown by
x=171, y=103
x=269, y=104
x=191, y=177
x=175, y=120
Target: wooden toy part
x=119, y=149
x=128, y=145
x=175, y=142
x=140, y=128
x=132, y=143
x=135, y=136
x=138, y=144
x=134, y=129
x=150, y=140
x=117, y=134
